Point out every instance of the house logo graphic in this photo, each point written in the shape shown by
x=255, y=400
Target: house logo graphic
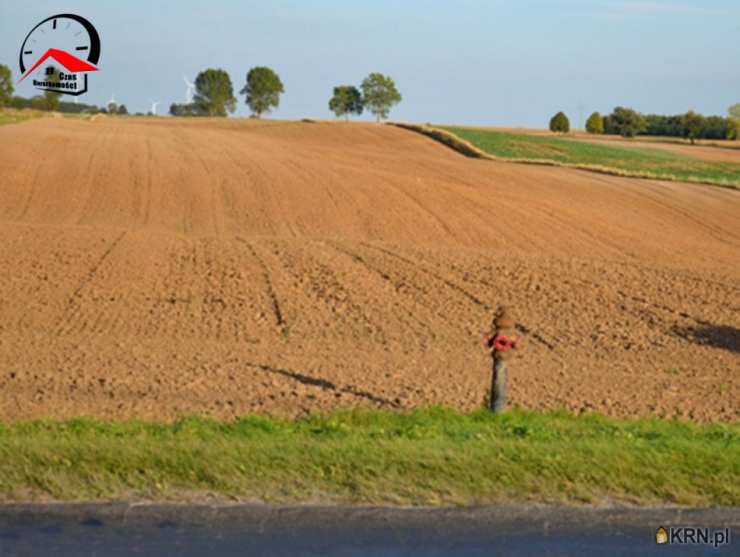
x=60, y=52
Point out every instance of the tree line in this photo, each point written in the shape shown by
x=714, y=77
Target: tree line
x=49, y=100
x=627, y=122
x=214, y=95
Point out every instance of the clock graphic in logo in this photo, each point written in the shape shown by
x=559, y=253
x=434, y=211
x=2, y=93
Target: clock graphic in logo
x=71, y=46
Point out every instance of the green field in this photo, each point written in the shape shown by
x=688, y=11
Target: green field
x=430, y=457
x=628, y=161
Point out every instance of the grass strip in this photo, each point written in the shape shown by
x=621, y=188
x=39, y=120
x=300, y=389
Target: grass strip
x=630, y=162
x=13, y=116
x=426, y=457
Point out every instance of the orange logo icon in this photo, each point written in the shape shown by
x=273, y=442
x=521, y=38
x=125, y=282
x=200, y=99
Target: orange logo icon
x=661, y=536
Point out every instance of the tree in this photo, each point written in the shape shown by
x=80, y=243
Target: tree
x=214, y=94
x=733, y=130
x=560, y=123
x=347, y=100
x=715, y=127
x=670, y=126
x=51, y=98
x=595, y=123
x=122, y=110
x=379, y=94
x=733, y=127
x=20, y=102
x=693, y=125
x=185, y=110
x=112, y=107
x=6, y=85
x=262, y=90
x=38, y=102
x=626, y=122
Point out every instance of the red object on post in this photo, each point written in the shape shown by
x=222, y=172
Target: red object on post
x=502, y=343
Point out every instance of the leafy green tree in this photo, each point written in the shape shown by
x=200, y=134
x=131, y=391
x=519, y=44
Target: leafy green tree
x=51, y=98
x=560, y=123
x=122, y=110
x=6, y=85
x=185, y=110
x=347, y=100
x=379, y=94
x=112, y=107
x=20, y=102
x=693, y=125
x=214, y=94
x=715, y=127
x=262, y=90
x=595, y=123
x=733, y=129
x=626, y=122
x=38, y=102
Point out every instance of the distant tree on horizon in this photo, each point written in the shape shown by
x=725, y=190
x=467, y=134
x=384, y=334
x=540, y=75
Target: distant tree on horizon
x=379, y=94
x=626, y=122
x=346, y=100
x=51, y=98
x=190, y=109
x=262, y=90
x=733, y=128
x=595, y=123
x=112, y=107
x=560, y=123
x=122, y=110
x=692, y=124
x=214, y=94
x=6, y=85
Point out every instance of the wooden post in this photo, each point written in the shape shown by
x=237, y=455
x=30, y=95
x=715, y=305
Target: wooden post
x=498, y=386
x=500, y=343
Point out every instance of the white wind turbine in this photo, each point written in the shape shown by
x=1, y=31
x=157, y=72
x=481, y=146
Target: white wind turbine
x=189, y=90
x=112, y=99
x=154, y=107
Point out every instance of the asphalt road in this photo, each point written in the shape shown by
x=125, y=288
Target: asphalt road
x=255, y=530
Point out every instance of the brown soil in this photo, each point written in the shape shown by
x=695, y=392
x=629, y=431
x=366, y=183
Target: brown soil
x=155, y=268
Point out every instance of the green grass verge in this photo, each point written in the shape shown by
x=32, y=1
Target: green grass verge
x=625, y=161
x=12, y=116
x=432, y=456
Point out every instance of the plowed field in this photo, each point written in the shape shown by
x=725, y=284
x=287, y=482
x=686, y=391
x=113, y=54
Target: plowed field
x=161, y=267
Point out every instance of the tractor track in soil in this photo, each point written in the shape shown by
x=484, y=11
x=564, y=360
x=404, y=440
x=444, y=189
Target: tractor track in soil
x=223, y=267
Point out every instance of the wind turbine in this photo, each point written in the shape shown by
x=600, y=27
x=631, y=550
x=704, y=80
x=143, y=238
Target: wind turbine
x=112, y=99
x=189, y=90
x=154, y=107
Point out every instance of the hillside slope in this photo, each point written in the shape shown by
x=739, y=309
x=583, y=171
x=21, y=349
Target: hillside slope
x=157, y=267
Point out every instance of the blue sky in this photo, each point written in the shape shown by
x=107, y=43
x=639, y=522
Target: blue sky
x=495, y=62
